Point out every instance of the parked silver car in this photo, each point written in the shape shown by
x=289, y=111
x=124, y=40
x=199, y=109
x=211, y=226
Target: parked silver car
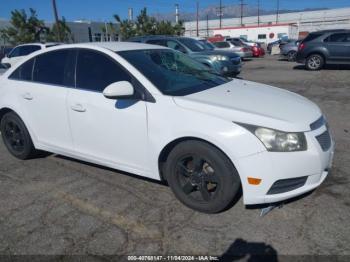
x=290, y=50
x=242, y=51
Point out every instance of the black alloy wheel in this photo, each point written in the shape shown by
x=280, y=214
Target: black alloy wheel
x=201, y=176
x=314, y=62
x=291, y=56
x=197, y=178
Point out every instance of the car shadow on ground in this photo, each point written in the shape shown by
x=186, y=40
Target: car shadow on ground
x=326, y=67
x=241, y=250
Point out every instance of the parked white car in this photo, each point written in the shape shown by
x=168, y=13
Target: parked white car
x=157, y=113
x=21, y=51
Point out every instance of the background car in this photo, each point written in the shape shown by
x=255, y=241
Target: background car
x=280, y=43
x=4, y=50
x=324, y=47
x=21, y=51
x=258, y=51
x=3, y=68
x=290, y=50
x=222, y=62
x=242, y=51
x=238, y=40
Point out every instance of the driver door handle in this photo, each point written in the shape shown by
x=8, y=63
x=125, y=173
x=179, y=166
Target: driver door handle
x=27, y=96
x=78, y=108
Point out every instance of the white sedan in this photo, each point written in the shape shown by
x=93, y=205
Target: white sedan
x=157, y=113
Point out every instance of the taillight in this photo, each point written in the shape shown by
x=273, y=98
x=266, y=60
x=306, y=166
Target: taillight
x=301, y=46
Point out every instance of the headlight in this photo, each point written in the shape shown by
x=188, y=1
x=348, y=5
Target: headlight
x=279, y=141
x=219, y=58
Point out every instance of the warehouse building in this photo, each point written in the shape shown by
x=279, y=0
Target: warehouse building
x=305, y=22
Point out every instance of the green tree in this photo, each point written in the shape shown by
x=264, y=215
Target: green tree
x=147, y=25
x=60, y=32
x=24, y=28
x=127, y=28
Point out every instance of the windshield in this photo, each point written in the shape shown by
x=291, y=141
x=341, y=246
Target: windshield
x=193, y=45
x=207, y=45
x=172, y=72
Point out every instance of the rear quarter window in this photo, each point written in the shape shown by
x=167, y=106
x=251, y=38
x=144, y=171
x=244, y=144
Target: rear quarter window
x=24, y=72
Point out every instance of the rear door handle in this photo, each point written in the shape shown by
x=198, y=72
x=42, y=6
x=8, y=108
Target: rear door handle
x=78, y=108
x=27, y=96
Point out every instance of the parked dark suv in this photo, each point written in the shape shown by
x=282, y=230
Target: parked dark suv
x=225, y=63
x=324, y=47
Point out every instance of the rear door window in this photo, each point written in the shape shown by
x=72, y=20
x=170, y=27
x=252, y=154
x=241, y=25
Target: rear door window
x=339, y=37
x=28, y=49
x=15, y=52
x=24, y=72
x=157, y=42
x=222, y=44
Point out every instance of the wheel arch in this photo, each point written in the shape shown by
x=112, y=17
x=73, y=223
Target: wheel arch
x=4, y=111
x=164, y=153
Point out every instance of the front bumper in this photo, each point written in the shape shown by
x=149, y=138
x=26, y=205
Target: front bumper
x=270, y=167
x=230, y=68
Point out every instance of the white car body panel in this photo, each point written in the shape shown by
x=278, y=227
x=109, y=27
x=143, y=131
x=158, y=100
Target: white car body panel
x=12, y=61
x=130, y=137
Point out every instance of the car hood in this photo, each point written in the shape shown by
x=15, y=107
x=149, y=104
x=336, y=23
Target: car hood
x=256, y=104
x=215, y=52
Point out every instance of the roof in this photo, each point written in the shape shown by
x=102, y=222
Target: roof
x=40, y=44
x=121, y=46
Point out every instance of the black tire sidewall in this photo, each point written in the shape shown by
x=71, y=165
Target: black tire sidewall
x=289, y=56
x=28, y=144
x=229, y=181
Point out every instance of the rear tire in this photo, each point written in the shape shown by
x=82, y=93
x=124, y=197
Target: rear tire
x=314, y=62
x=16, y=137
x=202, y=177
x=291, y=56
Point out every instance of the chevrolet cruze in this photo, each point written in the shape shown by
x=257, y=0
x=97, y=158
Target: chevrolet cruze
x=157, y=113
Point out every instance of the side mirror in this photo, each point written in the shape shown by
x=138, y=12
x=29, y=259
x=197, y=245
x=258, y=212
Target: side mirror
x=122, y=89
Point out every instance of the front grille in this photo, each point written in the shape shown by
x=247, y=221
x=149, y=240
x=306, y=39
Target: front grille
x=285, y=185
x=324, y=140
x=318, y=123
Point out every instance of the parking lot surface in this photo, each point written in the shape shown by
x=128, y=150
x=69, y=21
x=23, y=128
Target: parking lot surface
x=56, y=205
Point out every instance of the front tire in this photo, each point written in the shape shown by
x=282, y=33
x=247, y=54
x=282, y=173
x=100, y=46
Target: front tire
x=16, y=136
x=202, y=177
x=314, y=62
